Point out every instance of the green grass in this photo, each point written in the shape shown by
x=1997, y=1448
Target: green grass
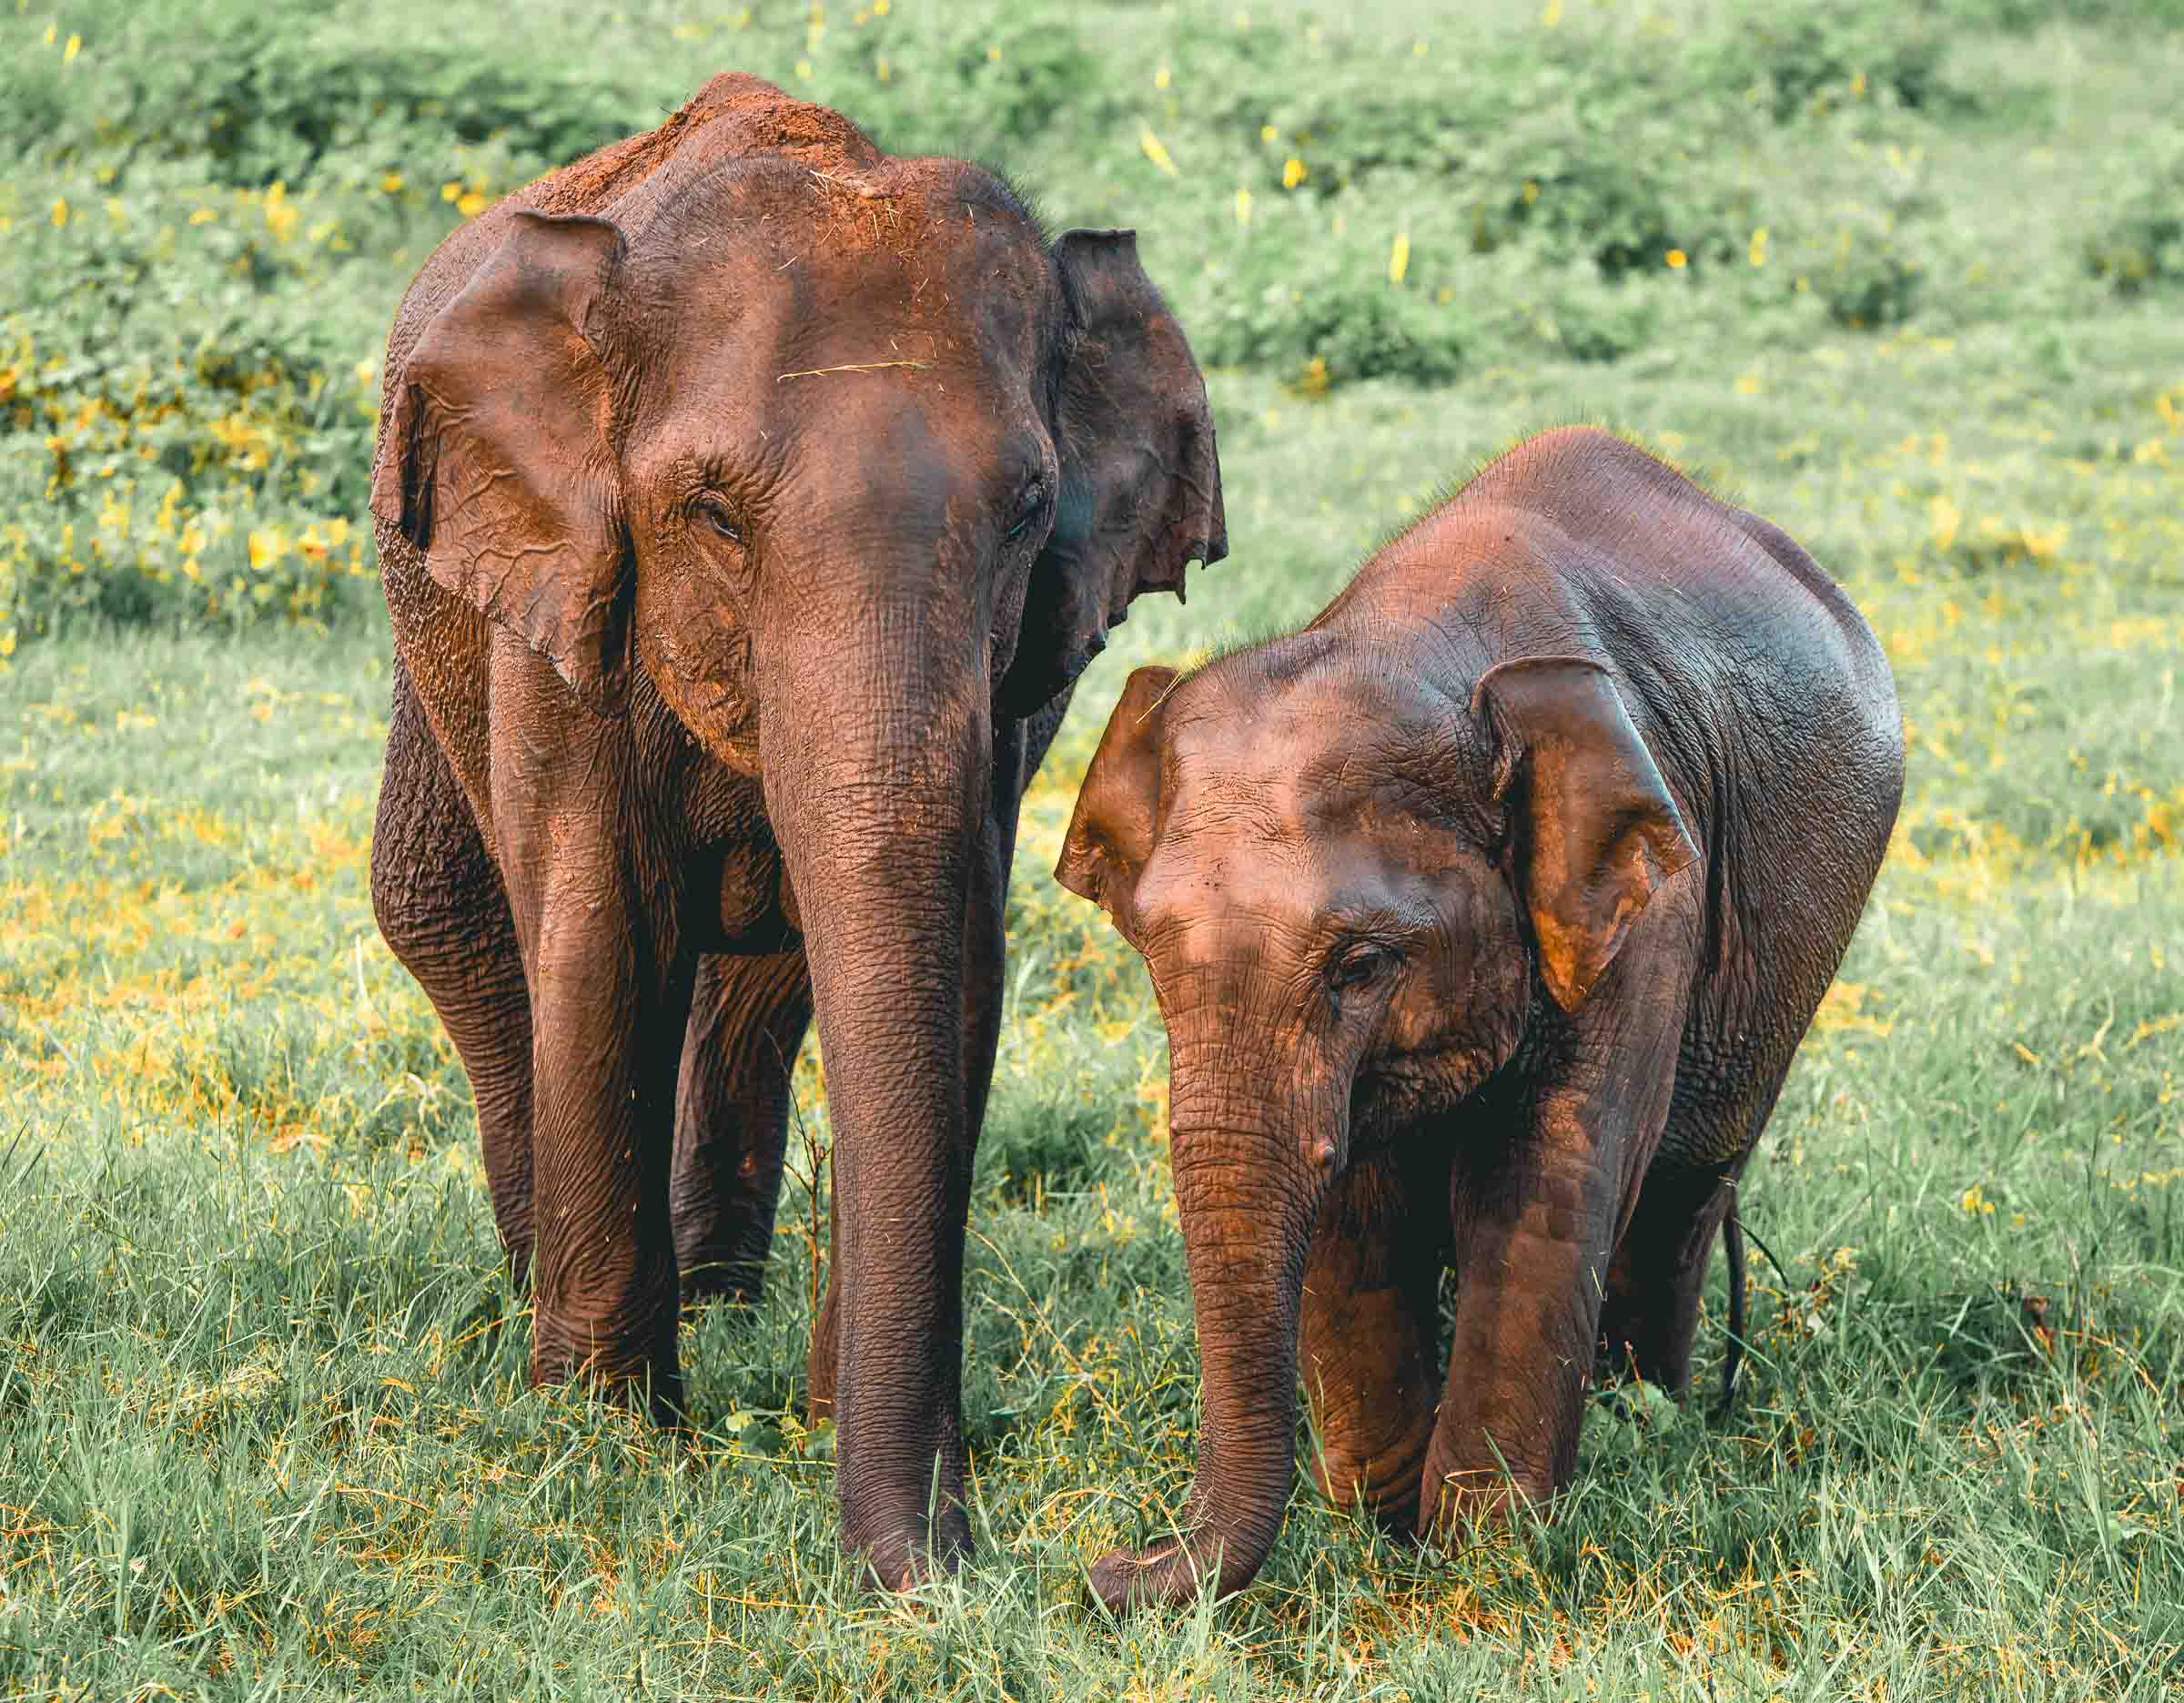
x=263, y=1425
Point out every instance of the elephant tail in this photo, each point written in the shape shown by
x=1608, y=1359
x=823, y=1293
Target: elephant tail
x=1733, y=1246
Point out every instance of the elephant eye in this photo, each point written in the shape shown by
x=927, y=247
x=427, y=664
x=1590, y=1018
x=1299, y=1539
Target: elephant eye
x=1029, y=508
x=717, y=514
x=1358, y=963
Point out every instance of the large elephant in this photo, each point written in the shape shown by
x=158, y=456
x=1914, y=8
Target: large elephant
x=747, y=500
x=1485, y=914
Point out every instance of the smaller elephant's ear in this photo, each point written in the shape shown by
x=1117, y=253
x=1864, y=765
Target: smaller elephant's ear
x=1111, y=832
x=495, y=455
x=1595, y=831
x=1141, y=477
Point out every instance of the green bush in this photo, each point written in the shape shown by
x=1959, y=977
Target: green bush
x=2140, y=245
x=216, y=209
x=261, y=97
x=1352, y=328
x=1872, y=282
x=1800, y=61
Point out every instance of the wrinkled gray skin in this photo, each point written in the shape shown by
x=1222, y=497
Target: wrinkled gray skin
x=747, y=500
x=1485, y=914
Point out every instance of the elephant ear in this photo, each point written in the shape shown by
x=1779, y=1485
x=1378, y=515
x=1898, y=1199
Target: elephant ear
x=1111, y=831
x=496, y=459
x=1141, y=479
x=1595, y=831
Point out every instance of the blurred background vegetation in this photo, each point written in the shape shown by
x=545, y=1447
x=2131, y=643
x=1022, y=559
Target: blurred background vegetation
x=210, y=210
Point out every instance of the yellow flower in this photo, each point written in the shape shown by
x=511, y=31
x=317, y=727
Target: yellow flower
x=1155, y=149
x=60, y=211
x=392, y=184
x=1293, y=172
x=280, y=212
x=1160, y=77
x=1759, y=246
x=74, y=46
x=1243, y=206
x=993, y=54
x=1677, y=259
x=1974, y=1200
x=1946, y=517
x=449, y=190
x=1399, y=256
x=1268, y=133
x=470, y=204
x=202, y=215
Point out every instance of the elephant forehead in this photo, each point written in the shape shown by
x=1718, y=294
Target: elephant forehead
x=1315, y=754
x=803, y=339
x=899, y=246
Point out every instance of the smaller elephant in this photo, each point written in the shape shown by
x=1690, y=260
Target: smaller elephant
x=1485, y=914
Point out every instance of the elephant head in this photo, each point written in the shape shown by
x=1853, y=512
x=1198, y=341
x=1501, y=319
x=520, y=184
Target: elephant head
x=831, y=458
x=1356, y=896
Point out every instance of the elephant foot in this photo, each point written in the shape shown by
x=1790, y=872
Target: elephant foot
x=1386, y=1485
x=902, y=1560
x=728, y=1276
x=635, y=1369
x=1477, y=1504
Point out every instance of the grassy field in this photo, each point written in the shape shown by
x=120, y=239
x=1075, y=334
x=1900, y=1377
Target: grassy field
x=1911, y=284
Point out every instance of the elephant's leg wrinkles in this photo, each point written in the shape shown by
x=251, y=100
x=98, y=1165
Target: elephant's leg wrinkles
x=441, y=908
x=597, y=903
x=1369, y=1330
x=747, y=1020
x=1536, y=1223
x=603, y=1143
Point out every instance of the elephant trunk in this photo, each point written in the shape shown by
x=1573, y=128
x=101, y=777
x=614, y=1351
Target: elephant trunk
x=877, y=765
x=1248, y=1191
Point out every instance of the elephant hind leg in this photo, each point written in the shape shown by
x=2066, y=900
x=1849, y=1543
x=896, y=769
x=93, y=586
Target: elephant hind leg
x=1650, y=1311
x=444, y=913
x=747, y=1020
x=1370, y=1336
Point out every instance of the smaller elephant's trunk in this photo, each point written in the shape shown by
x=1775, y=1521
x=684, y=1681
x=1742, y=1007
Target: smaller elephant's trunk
x=1248, y=1195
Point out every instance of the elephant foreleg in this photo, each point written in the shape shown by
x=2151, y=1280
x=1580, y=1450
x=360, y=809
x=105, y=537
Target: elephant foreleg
x=444, y=913
x=747, y=1020
x=1370, y=1334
